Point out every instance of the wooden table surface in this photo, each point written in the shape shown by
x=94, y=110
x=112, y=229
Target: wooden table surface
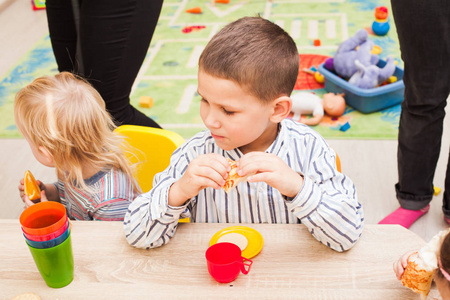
x=291, y=265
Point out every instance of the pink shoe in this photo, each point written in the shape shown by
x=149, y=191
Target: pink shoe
x=404, y=217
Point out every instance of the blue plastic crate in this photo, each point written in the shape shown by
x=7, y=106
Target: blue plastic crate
x=366, y=100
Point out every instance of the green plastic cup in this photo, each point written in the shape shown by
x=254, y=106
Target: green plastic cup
x=55, y=264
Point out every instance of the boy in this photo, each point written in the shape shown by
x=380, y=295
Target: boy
x=246, y=75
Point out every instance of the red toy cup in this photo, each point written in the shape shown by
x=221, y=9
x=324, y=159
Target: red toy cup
x=225, y=262
x=47, y=237
x=43, y=218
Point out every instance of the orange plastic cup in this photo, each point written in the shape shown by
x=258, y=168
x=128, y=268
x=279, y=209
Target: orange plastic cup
x=43, y=218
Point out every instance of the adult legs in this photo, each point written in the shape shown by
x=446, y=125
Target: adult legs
x=115, y=36
x=446, y=201
x=63, y=34
x=423, y=31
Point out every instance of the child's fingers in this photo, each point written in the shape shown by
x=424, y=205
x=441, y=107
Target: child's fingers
x=211, y=167
x=223, y=161
x=43, y=196
x=398, y=269
x=27, y=201
x=21, y=185
x=258, y=177
x=220, y=164
x=40, y=184
x=211, y=178
x=404, y=258
x=254, y=162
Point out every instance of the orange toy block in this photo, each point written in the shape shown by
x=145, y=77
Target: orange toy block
x=194, y=10
x=146, y=101
x=317, y=42
x=222, y=1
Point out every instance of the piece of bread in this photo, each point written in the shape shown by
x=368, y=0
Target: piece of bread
x=416, y=277
x=233, y=178
x=235, y=238
x=27, y=296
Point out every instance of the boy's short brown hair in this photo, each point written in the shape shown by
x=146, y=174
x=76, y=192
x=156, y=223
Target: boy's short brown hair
x=255, y=53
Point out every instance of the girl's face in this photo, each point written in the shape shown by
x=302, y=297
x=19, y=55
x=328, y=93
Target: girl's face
x=443, y=287
x=235, y=118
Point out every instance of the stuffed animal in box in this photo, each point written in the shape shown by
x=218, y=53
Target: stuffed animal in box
x=357, y=47
x=368, y=77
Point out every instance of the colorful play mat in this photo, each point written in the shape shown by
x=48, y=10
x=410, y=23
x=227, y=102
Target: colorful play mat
x=169, y=72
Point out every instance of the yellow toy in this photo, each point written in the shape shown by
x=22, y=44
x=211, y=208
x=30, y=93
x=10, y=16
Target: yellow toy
x=146, y=101
x=437, y=190
x=392, y=79
x=317, y=76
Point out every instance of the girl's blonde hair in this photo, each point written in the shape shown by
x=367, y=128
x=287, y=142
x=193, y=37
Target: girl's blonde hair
x=67, y=116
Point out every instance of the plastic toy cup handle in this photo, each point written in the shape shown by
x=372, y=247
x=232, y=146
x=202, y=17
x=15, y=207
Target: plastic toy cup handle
x=55, y=264
x=245, y=263
x=225, y=262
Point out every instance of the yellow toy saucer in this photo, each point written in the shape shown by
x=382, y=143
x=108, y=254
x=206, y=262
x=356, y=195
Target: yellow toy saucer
x=255, y=239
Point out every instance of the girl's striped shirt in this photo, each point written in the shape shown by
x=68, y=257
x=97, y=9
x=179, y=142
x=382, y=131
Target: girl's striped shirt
x=113, y=193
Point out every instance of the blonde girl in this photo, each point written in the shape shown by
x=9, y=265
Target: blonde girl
x=63, y=119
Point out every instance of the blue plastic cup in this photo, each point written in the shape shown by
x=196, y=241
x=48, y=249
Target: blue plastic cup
x=50, y=243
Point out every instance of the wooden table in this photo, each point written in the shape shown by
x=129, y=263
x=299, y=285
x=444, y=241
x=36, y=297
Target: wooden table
x=291, y=265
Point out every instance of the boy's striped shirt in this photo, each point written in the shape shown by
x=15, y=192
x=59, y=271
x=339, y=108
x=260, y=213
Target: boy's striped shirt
x=327, y=203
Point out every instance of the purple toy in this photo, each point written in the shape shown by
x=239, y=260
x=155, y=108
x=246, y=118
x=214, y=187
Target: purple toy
x=329, y=64
x=367, y=77
x=347, y=54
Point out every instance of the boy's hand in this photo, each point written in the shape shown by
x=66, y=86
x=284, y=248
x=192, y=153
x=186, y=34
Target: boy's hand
x=272, y=170
x=400, y=265
x=208, y=170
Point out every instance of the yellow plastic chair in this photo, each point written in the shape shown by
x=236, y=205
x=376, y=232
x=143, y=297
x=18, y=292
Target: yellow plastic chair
x=149, y=149
x=338, y=163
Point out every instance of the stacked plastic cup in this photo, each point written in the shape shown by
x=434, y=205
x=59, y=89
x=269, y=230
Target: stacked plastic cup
x=46, y=229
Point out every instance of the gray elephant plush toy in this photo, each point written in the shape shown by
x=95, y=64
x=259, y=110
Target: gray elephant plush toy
x=368, y=77
x=347, y=53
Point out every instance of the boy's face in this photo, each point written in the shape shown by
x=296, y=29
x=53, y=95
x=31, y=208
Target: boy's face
x=235, y=118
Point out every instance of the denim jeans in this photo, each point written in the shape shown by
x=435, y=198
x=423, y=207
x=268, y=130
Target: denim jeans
x=423, y=29
x=112, y=41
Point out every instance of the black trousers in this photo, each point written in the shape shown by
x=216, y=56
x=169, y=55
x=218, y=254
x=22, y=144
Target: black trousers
x=423, y=29
x=112, y=40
